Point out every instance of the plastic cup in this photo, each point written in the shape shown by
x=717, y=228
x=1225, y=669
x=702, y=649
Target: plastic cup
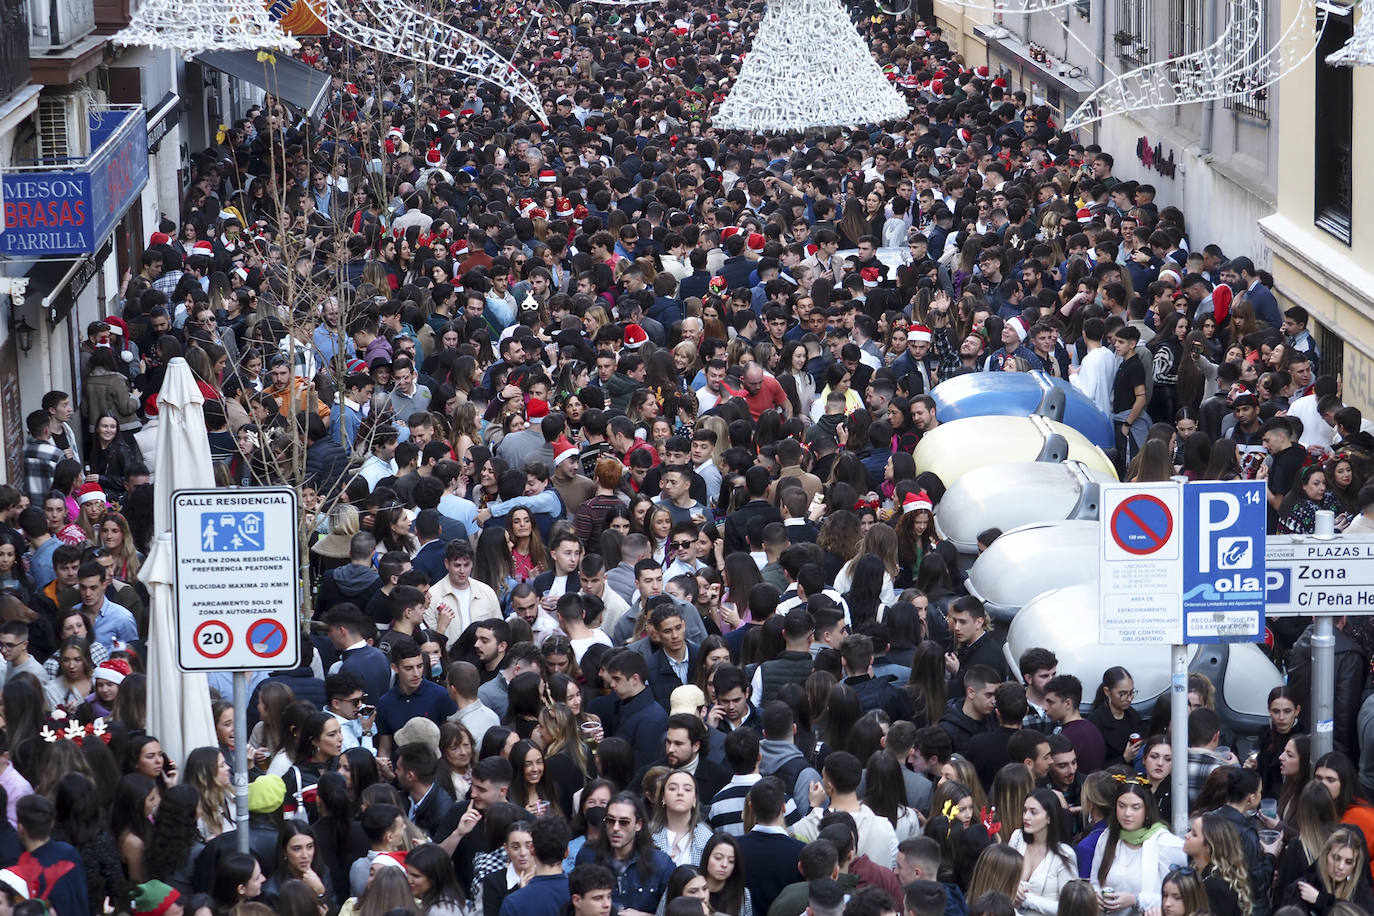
x=589, y=731
x=1269, y=807
x=1223, y=752
x=1269, y=837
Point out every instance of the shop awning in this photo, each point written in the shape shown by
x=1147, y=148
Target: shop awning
x=298, y=85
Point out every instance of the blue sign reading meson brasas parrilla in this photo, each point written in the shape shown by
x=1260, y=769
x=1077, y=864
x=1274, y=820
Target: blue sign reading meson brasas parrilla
x=72, y=210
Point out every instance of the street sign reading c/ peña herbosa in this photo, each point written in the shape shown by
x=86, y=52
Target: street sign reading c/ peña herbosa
x=237, y=579
x=1311, y=575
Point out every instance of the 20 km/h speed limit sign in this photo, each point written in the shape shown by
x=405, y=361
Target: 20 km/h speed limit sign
x=237, y=579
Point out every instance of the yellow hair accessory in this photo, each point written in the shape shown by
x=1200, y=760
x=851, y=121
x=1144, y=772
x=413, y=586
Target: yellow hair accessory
x=951, y=809
x=1136, y=780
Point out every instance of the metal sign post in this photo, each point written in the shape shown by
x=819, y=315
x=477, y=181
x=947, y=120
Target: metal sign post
x=241, y=759
x=1324, y=576
x=1182, y=564
x=236, y=596
x=1178, y=743
x=1323, y=663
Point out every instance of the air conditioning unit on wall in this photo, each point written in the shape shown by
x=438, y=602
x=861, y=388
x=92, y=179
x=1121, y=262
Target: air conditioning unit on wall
x=64, y=131
x=58, y=24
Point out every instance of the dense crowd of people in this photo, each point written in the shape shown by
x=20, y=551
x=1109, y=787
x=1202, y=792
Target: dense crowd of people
x=625, y=595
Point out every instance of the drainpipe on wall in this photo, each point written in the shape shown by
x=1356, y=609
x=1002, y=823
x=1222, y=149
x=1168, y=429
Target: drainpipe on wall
x=1101, y=42
x=1209, y=107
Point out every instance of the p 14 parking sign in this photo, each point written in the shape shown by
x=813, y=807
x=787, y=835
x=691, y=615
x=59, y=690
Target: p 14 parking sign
x=1223, y=561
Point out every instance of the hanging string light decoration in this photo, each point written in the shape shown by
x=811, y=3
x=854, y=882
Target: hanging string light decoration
x=1359, y=50
x=1014, y=7
x=808, y=67
x=1219, y=71
x=192, y=26
x=404, y=31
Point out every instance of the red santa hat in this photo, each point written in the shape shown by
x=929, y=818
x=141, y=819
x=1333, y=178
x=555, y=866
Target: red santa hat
x=536, y=409
x=203, y=247
x=642, y=63
x=563, y=450
x=981, y=72
x=756, y=241
x=159, y=238
x=580, y=213
x=1221, y=302
x=563, y=208
x=915, y=502
x=433, y=157
x=459, y=247
x=635, y=337
x=937, y=87
x=89, y=493
x=871, y=276
x=729, y=231
x=547, y=176
x=1085, y=215
x=1000, y=82
x=918, y=332
x=538, y=213
x=113, y=670
x=392, y=859
x=1018, y=324
x=670, y=63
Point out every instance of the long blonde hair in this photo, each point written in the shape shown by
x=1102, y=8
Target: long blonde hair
x=202, y=771
x=564, y=737
x=881, y=541
x=1228, y=858
x=1315, y=817
x=998, y=869
x=1342, y=838
x=1010, y=787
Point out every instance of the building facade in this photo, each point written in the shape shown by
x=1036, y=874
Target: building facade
x=1216, y=161
x=1321, y=247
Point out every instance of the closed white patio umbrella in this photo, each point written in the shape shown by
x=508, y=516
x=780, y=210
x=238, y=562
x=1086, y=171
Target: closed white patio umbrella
x=178, y=702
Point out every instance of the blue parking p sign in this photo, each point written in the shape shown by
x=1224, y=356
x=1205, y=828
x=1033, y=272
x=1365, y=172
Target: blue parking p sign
x=1223, y=561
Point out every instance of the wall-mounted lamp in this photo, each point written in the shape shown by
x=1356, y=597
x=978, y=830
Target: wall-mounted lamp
x=15, y=288
x=23, y=333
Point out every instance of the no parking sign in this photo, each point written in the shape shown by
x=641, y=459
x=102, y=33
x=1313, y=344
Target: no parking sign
x=1140, y=564
x=237, y=579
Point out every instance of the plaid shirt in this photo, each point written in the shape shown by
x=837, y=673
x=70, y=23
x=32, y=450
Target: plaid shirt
x=1036, y=719
x=40, y=461
x=167, y=283
x=946, y=351
x=1201, y=763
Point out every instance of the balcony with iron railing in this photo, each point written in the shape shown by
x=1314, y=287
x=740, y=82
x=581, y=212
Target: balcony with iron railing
x=92, y=163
